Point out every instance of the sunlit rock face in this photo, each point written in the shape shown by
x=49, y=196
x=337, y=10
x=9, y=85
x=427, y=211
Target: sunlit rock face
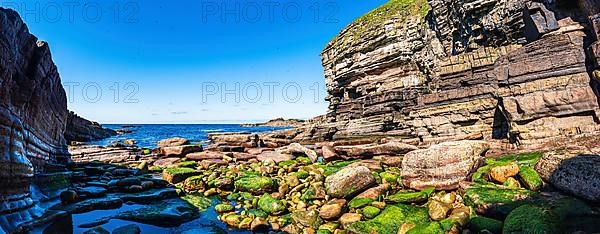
x=33, y=113
x=439, y=70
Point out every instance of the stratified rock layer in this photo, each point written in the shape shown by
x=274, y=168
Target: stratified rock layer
x=33, y=116
x=437, y=70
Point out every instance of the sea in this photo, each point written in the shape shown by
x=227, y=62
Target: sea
x=147, y=135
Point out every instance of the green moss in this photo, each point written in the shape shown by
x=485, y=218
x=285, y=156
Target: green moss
x=155, y=169
x=255, y=184
x=270, y=205
x=481, y=175
x=480, y=224
x=530, y=178
x=370, y=212
x=188, y=164
x=287, y=163
x=531, y=219
x=300, y=174
x=410, y=197
x=390, y=219
x=224, y=208
x=427, y=228
x=193, y=183
x=304, y=160
x=523, y=159
x=258, y=213
x=146, y=151
x=178, y=174
x=179, y=170
x=499, y=201
x=360, y=202
x=198, y=200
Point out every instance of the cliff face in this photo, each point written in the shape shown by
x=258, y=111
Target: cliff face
x=82, y=130
x=33, y=114
x=438, y=70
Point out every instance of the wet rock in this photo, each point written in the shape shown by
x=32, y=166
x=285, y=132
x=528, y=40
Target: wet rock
x=97, y=230
x=442, y=166
x=224, y=208
x=274, y=156
x=349, y=181
x=502, y=173
x=146, y=185
x=194, y=183
x=530, y=218
x=176, y=175
x=134, y=189
x=332, y=209
x=365, y=151
x=168, y=213
x=92, y=192
x=255, y=184
x=180, y=151
x=390, y=219
x=68, y=196
x=176, y=141
x=309, y=218
x=572, y=173
x=270, y=205
x=128, y=229
x=129, y=181
x=106, y=203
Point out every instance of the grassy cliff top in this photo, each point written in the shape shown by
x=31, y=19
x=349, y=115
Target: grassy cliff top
x=394, y=9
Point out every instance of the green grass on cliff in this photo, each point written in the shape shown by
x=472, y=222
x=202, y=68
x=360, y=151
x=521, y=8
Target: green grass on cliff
x=393, y=9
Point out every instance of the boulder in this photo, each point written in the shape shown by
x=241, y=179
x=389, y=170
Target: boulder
x=442, y=166
x=309, y=218
x=532, y=219
x=180, y=151
x=538, y=21
x=329, y=153
x=572, y=173
x=332, y=209
x=349, y=181
x=501, y=173
x=276, y=157
x=271, y=205
x=295, y=149
x=176, y=141
x=176, y=175
x=255, y=184
x=370, y=150
x=199, y=156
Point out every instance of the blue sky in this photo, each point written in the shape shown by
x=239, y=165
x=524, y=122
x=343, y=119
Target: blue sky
x=158, y=61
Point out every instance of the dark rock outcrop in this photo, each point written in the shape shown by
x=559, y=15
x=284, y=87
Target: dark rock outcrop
x=83, y=130
x=33, y=117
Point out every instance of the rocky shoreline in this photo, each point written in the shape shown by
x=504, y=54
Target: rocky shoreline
x=345, y=187
x=279, y=122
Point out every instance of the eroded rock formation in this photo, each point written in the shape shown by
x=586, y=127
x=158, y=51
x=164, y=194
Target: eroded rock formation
x=82, y=130
x=439, y=70
x=33, y=116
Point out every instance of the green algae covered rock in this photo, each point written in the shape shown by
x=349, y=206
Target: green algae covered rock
x=532, y=219
x=224, y=208
x=370, y=212
x=188, y=164
x=390, y=219
x=198, y=200
x=410, y=197
x=427, y=228
x=255, y=184
x=360, y=202
x=480, y=224
x=530, y=178
x=193, y=183
x=178, y=174
x=496, y=200
x=309, y=218
x=390, y=177
x=270, y=205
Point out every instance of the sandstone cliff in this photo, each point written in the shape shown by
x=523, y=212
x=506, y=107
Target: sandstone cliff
x=82, y=130
x=33, y=116
x=438, y=70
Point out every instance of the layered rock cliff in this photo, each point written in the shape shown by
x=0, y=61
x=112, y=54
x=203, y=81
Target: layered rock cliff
x=33, y=116
x=438, y=70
